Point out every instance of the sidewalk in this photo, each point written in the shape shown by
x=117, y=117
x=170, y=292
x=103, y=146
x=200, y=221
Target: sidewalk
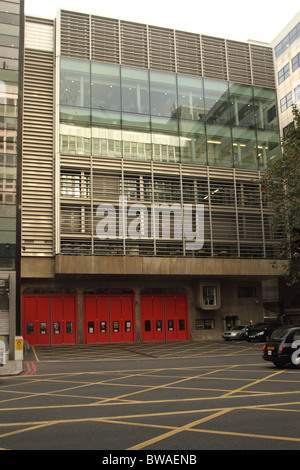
x=11, y=368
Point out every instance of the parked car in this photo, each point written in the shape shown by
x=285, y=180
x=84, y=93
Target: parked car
x=262, y=331
x=236, y=332
x=283, y=346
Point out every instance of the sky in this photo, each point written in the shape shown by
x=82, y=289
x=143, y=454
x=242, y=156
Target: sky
x=260, y=20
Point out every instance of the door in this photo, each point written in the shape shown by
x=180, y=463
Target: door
x=49, y=319
x=164, y=318
x=43, y=320
x=108, y=318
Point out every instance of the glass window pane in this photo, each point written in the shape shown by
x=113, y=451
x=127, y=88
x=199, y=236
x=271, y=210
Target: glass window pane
x=193, y=142
x=75, y=140
x=219, y=146
x=268, y=144
x=106, y=118
x=165, y=147
x=75, y=83
x=190, y=97
x=160, y=124
x=163, y=94
x=241, y=101
x=106, y=142
x=136, y=145
x=106, y=87
x=244, y=148
x=265, y=103
x=136, y=121
x=135, y=90
x=216, y=101
x=74, y=115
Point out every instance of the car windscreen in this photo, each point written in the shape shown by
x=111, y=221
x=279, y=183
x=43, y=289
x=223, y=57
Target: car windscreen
x=239, y=327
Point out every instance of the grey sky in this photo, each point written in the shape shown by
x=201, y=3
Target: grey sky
x=260, y=20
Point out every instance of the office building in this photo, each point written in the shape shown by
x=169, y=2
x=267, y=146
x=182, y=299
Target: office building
x=286, y=47
x=142, y=219
x=11, y=71
x=287, y=66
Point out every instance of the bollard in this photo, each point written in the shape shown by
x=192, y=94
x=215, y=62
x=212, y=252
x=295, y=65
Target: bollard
x=19, y=348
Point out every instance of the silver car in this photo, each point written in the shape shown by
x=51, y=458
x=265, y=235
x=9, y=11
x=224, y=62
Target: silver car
x=236, y=332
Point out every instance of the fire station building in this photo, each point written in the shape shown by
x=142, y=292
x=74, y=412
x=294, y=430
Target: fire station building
x=142, y=218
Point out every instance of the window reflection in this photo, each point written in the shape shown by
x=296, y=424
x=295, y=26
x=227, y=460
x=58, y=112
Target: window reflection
x=242, y=109
x=106, y=86
x=126, y=112
x=216, y=101
x=265, y=108
x=190, y=97
x=193, y=142
x=135, y=90
x=75, y=83
x=268, y=147
x=244, y=148
x=163, y=94
x=219, y=145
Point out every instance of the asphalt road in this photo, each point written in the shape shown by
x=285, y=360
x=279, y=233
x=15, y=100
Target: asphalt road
x=184, y=397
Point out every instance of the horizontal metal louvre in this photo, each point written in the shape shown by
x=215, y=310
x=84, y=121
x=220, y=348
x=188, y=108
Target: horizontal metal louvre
x=75, y=35
x=188, y=51
x=38, y=165
x=214, y=58
x=262, y=66
x=134, y=50
x=139, y=45
x=105, y=42
x=236, y=225
x=238, y=56
x=162, y=49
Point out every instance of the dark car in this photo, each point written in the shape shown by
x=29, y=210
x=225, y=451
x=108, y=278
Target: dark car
x=283, y=346
x=236, y=332
x=261, y=331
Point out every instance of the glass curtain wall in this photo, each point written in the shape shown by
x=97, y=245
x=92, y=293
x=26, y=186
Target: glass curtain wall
x=124, y=112
x=9, y=78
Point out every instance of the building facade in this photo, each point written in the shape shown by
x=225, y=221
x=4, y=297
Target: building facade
x=142, y=219
x=11, y=70
x=286, y=47
x=287, y=66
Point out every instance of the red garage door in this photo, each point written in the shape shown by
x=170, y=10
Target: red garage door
x=164, y=318
x=108, y=318
x=49, y=319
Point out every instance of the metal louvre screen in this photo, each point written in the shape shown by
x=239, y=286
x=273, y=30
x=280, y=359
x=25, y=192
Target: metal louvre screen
x=236, y=224
x=38, y=164
x=109, y=40
x=75, y=35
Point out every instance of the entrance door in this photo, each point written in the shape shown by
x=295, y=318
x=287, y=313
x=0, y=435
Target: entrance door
x=108, y=318
x=164, y=318
x=49, y=319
